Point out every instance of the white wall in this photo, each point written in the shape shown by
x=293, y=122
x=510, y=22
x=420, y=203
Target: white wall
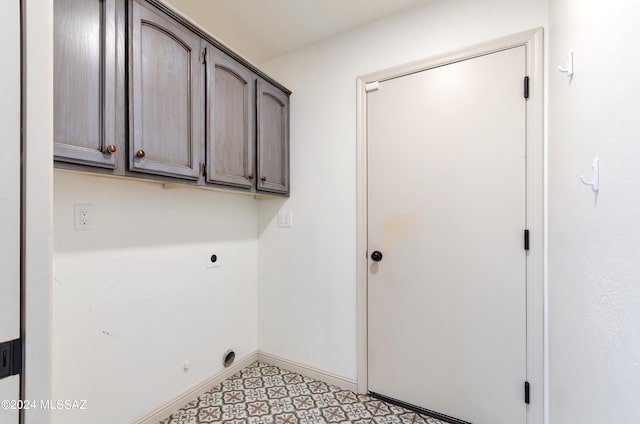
x=594, y=246
x=307, y=286
x=132, y=299
x=10, y=195
x=10, y=183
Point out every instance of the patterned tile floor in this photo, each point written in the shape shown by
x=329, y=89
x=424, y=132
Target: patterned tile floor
x=264, y=394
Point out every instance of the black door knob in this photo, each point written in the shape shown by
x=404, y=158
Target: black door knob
x=376, y=256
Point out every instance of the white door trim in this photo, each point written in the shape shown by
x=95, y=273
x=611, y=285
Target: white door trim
x=37, y=214
x=533, y=41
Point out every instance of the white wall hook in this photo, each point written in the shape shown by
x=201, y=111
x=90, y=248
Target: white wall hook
x=595, y=182
x=569, y=68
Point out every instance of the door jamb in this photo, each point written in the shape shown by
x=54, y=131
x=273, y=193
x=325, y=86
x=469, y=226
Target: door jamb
x=37, y=202
x=533, y=41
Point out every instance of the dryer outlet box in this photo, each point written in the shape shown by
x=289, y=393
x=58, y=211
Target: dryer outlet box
x=213, y=259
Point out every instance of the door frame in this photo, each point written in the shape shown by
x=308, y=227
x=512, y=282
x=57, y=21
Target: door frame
x=535, y=205
x=37, y=203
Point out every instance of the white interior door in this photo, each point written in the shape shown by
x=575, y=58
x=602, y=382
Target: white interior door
x=10, y=197
x=446, y=208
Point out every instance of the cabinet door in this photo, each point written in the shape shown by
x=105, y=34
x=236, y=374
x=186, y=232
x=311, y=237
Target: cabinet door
x=85, y=82
x=273, y=138
x=230, y=121
x=166, y=137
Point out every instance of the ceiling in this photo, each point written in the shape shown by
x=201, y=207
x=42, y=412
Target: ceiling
x=261, y=30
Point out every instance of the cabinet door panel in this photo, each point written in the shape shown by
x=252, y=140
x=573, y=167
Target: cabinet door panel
x=230, y=122
x=166, y=96
x=84, y=81
x=273, y=138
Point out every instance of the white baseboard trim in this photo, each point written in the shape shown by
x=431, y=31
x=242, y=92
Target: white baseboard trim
x=309, y=371
x=166, y=409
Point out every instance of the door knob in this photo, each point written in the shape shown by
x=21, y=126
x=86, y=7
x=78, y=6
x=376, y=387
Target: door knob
x=376, y=256
x=140, y=154
x=111, y=148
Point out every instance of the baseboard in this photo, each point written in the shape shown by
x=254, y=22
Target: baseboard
x=166, y=409
x=309, y=371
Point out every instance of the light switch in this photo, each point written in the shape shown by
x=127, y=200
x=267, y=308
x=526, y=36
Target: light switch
x=285, y=219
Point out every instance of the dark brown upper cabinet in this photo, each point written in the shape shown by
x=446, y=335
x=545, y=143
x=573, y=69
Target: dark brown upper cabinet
x=84, y=129
x=165, y=96
x=272, y=138
x=141, y=92
x=230, y=126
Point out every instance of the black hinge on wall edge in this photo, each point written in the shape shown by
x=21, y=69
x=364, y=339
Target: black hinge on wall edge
x=10, y=358
x=526, y=239
x=526, y=87
x=526, y=392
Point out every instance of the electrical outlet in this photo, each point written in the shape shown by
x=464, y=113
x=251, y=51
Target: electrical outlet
x=212, y=259
x=83, y=217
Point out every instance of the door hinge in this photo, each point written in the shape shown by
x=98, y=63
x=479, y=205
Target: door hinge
x=203, y=56
x=526, y=392
x=371, y=86
x=526, y=87
x=10, y=358
x=526, y=239
x=203, y=170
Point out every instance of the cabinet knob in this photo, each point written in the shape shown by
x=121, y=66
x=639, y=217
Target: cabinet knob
x=111, y=148
x=263, y=179
x=250, y=176
x=140, y=153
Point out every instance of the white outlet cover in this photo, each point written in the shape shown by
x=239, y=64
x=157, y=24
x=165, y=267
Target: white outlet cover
x=213, y=259
x=83, y=217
